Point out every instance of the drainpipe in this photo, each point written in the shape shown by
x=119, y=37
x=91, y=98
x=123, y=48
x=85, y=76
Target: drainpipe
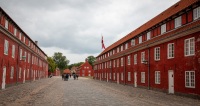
x=148, y=63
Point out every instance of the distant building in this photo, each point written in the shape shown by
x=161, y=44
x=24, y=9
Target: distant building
x=163, y=54
x=85, y=69
x=56, y=72
x=74, y=69
x=21, y=59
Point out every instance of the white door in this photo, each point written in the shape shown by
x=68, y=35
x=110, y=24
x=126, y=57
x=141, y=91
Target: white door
x=171, y=81
x=135, y=79
x=4, y=78
x=24, y=76
x=107, y=77
x=118, y=78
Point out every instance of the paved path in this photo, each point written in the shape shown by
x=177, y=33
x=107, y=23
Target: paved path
x=86, y=92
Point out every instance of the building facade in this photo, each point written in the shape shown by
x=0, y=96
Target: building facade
x=85, y=70
x=162, y=54
x=21, y=59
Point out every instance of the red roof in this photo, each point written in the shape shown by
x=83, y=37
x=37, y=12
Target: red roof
x=182, y=4
x=66, y=71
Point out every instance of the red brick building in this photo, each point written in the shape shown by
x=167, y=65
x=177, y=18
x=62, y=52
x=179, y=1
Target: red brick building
x=162, y=54
x=85, y=69
x=21, y=59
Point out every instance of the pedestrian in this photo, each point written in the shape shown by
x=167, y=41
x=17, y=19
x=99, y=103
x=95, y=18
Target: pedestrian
x=70, y=75
x=74, y=76
x=77, y=76
x=67, y=77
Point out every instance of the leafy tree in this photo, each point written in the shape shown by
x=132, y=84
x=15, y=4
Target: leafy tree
x=52, y=64
x=91, y=60
x=75, y=64
x=60, y=60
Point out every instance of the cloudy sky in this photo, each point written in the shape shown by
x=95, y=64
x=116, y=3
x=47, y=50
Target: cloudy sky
x=74, y=27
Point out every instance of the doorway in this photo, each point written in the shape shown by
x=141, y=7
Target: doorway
x=4, y=78
x=135, y=79
x=171, y=81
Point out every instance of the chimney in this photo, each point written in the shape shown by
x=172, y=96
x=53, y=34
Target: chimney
x=36, y=42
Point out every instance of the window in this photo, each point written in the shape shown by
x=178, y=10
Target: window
x=11, y=72
x=114, y=63
x=83, y=71
x=135, y=59
x=24, y=39
x=20, y=72
x=178, y=22
x=25, y=56
x=15, y=32
x=196, y=13
x=133, y=42
x=20, y=54
x=142, y=77
x=122, y=62
x=110, y=64
x=189, y=47
x=13, y=51
x=29, y=44
x=140, y=39
x=6, y=24
x=28, y=58
x=122, y=76
x=126, y=46
x=104, y=75
x=117, y=49
x=170, y=52
x=148, y=35
x=142, y=56
x=129, y=76
x=157, y=53
x=20, y=36
x=6, y=45
x=190, y=79
x=163, y=28
x=117, y=62
x=28, y=73
x=121, y=47
x=157, y=77
x=129, y=62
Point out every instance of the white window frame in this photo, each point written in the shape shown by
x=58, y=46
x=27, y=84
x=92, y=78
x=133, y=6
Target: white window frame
x=157, y=77
x=122, y=61
x=20, y=54
x=196, y=13
x=117, y=62
x=142, y=56
x=140, y=39
x=189, y=46
x=15, y=32
x=28, y=57
x=11, y=72
x=135, y=59
x=117, y=49
x=170, y=51
x=126, y=46
x=157, y=53
x=149, y=35
x=20, y=72
x=6, y=47
x=13, y=51
x=178, y=22
x=142, y=77
x=25, y=56
x=190, y=79
x=129, y=60
x=122, y=76
x=114, y=63
x=6, y=23
x=122, y=48
x=129, y=76
x=163, y=28
x=133, y=42
x=20, y=36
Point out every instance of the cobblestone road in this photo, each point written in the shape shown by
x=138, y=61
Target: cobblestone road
x=86, y=92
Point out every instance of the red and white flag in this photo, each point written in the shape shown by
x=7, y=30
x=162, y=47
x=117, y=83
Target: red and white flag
x=103, y=46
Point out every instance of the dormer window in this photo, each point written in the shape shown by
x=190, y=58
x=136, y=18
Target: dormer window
x=140, y=39
x=6, y=24
x=148, y=35
x=163, y=28
x=178, y=22
x=196, y=13
x=133, y=42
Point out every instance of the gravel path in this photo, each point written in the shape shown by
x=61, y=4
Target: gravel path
x=86, y=92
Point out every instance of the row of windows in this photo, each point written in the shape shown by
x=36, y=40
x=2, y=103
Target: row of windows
x=34, y=59
x=177, y=23
x=24, y=40
x=189, y=50
x=189, y=77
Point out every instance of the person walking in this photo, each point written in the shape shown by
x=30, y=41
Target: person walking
x=77, y=76
x=67, y=77
x=63, y=76
x=74, y=76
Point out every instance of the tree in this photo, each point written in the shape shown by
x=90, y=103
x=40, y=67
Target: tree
x=60, y=60
x=52, y=64
x=91, y=60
